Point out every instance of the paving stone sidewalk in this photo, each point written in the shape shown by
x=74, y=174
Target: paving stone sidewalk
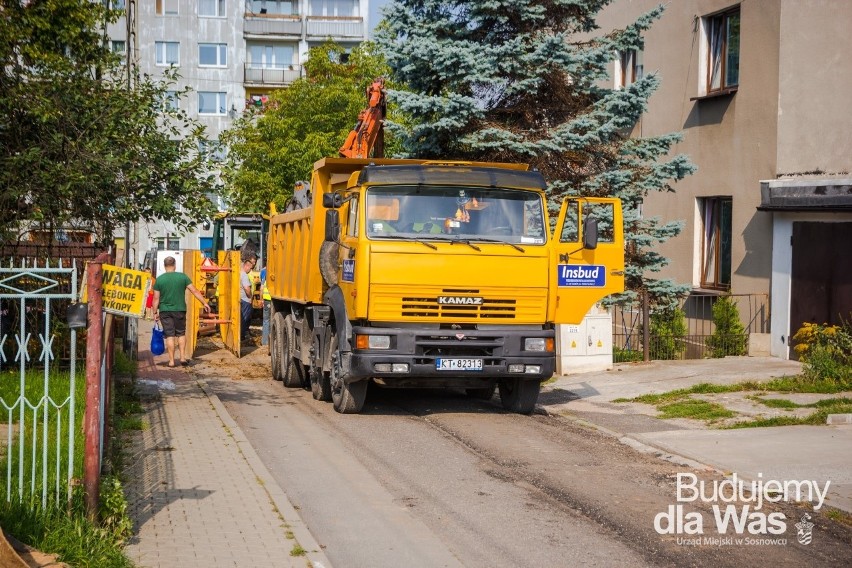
x=197, y=493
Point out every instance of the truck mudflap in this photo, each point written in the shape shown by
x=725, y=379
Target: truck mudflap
x=424, y=357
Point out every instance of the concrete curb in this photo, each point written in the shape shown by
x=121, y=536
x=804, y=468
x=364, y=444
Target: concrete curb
x=313, y=551
x=637, y=444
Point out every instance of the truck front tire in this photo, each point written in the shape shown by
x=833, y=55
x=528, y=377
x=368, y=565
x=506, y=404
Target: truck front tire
x=519, y=395
x=347, y=398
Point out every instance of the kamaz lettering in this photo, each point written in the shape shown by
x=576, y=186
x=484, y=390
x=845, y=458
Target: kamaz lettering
x=463, y=300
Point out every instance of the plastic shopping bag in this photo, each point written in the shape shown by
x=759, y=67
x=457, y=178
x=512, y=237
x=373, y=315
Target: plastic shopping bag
x=158, y=344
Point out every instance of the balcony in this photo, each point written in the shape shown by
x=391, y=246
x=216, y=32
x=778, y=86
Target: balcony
x=335, y=27
x=272, y=25
x=256, y=74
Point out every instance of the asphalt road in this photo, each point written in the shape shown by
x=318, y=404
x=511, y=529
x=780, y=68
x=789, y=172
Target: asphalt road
x=433, y=478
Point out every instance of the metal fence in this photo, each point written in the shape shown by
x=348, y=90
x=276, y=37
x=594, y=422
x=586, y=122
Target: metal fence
x=38, y=390
x=698, y=341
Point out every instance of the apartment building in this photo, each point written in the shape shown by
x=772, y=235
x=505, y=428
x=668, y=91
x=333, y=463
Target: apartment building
x=230, y=53
x=759, y=90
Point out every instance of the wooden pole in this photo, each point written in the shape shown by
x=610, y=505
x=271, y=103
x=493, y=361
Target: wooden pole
x=91, y=418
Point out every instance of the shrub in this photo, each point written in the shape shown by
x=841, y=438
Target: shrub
x=729, y=336
x=626, y=355
x=825, y=350
x=668, y=330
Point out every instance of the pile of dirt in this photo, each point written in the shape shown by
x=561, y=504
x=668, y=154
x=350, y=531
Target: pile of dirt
x=212, y=358
x=16, y=554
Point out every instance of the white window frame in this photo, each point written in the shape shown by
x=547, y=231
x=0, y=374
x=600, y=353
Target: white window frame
x=218, y=9
x=221, y=54
x=274, y=7
x=161, y=50
x=165, y=243
x=268, y=59
x=171, y=100
x=119, y=47
x=217, y=154
x=329, y=8
x=166, y=7
x=221, y=103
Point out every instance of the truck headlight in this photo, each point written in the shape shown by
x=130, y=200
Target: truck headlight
x=372, y=341
x=538, y=344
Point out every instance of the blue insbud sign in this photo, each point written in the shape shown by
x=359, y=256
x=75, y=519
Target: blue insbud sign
x=581, y=276
x=348, y=270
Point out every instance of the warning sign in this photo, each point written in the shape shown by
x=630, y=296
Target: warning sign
x=125, y=291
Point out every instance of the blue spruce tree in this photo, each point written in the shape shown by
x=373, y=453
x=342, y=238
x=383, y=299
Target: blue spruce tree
x=523, y=80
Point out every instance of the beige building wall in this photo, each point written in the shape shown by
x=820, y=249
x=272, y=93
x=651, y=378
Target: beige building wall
x=814, y=114
x=731, y=138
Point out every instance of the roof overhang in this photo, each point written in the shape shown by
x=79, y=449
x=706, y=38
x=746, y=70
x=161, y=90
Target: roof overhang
x=806, y=194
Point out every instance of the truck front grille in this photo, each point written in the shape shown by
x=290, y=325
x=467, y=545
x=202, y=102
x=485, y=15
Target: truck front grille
x=449, y=304
x=490, y=308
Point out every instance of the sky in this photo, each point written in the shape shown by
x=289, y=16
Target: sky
x=375, y=16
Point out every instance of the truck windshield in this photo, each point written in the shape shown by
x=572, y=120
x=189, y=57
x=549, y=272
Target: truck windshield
x=499, y=215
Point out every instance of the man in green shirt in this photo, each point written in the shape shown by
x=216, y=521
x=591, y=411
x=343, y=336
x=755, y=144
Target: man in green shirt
x=170, y=307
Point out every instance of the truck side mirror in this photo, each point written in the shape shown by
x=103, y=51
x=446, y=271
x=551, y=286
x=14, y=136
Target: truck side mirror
x=590, y=233
x=332, y=224
x=332, y=200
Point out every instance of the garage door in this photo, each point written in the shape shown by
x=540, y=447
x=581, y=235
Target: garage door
x=822, y=274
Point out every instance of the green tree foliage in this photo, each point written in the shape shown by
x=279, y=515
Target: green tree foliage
x=78, y=146
x=522, y=80
x=729, y=336
x=272, y=148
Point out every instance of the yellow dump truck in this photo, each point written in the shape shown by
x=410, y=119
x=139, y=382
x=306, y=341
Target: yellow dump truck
x=413, y=273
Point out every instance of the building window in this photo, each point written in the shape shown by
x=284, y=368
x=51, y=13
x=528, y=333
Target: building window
x=212, y=150
x=117, y=4
x=119, y=47
x=171, y=100
x=282, y=7
x=168, y=52
x=629, y=68
x=336, y=8
x=167, y=7
x=213, y=54
x=723, y=50
x=168, y=243
x=211, y=8
x=716, y=213
x=211, y=103
x=271, y=56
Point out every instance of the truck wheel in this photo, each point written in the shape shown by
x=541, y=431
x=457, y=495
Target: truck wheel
x=328, y=262
x=291, y=368
x=320, y=383
x=481, y=394
x=518, y=395
x=276, y=340
x=347, y=398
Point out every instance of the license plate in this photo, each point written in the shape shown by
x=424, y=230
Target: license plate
x=458, y=364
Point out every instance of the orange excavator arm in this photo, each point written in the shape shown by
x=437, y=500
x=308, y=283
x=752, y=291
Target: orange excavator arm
x=368, y=134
